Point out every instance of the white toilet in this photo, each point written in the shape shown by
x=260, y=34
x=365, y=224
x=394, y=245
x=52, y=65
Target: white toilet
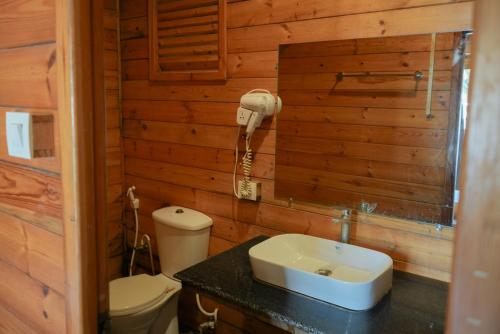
x=148, y=304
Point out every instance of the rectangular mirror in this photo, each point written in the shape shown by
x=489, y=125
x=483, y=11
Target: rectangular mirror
x=374, y=123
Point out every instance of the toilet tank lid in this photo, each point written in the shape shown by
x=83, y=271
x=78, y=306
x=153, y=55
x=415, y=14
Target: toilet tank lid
x=182, y=218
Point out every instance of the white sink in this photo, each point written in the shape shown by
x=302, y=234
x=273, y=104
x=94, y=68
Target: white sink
x=352, y=277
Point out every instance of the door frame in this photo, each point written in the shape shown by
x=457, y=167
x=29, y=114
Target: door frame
x=473, y=305
x=77, y=128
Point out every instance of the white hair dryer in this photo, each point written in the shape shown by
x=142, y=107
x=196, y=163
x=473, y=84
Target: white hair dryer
x=254, y=107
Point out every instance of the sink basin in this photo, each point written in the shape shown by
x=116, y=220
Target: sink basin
x=345, y=275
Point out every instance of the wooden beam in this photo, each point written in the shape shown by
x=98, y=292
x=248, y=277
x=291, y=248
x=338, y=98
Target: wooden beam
x=102, y=59
x=474, y=305
x=75, y=104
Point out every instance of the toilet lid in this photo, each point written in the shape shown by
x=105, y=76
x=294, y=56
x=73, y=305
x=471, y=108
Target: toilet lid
x=132, y=294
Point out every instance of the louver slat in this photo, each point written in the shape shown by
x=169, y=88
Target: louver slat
x=188, y=40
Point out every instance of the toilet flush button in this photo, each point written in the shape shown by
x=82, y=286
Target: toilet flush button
x=179, y=211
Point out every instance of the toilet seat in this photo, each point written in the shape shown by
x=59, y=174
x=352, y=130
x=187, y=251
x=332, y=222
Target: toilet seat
x=129, y=295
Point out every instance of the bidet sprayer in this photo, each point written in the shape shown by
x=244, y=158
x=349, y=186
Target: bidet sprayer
x=134, y=202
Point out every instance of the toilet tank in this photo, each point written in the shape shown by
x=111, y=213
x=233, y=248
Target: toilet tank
x=182, y=236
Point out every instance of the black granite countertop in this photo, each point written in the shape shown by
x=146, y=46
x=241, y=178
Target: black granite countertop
x=414, y=305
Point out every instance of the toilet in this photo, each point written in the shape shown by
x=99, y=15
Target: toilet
x=148, y=304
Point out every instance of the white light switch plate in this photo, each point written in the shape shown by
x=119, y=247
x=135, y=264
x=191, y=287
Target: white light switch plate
x=19, y=134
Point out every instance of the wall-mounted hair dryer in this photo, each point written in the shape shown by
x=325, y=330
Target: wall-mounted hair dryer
x=254, y=107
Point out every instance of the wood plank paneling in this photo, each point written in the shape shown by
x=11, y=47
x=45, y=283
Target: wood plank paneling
x=28, y=77
x=362, y=167
x=45, y=310
x=110, y=19
x=11, y=324
x=395, y=44
x=133, y=8
x=133, y=28
x=45, y=257
x=255, y=12
x=324, y=81
x=231, y=91
x=411, y=21
x=160, y=119
x=240, y=65
x=27, y=188
x=400, y=136
x=27, y=23
x=32, y=250
x=198, y=135
x=134, y=48
x=212, y=113
x=13, y=242
x=243, y=65
x=202, y=157
x=32, y=272
x=114, y=153
x=402, y=100
x=362, y=185
x=110, y=40
x=389, y=61
x=415, y=118
x=400, y=154
x=42, y=220
x=180, y=112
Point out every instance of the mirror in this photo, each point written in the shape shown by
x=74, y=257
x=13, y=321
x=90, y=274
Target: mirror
x=374, y=124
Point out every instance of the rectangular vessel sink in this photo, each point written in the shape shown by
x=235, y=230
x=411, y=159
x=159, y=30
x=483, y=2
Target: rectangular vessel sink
x=345, y=275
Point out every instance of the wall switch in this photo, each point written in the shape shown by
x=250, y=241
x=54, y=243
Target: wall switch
x=19, y=134
x=254, y=189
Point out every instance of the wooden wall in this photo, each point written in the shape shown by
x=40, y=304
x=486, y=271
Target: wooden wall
x=32, y=284
x=179, y=139
x=114, y=155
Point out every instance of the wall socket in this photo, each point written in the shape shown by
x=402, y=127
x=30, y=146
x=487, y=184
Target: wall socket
x=255, y=188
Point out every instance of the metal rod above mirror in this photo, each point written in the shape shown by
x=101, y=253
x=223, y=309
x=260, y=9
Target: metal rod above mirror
x=417, y=75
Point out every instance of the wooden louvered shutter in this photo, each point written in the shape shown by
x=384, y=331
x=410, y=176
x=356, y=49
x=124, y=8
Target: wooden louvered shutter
x=187, y=40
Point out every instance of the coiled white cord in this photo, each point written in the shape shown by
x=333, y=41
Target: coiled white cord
x=246, y=164
x=236, y=155
x=247, y=169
